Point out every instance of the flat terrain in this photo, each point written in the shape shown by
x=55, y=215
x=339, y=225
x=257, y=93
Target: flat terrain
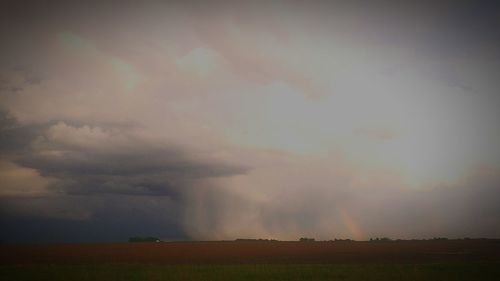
x=254, y=252
x=399, y=260
x=261, y=272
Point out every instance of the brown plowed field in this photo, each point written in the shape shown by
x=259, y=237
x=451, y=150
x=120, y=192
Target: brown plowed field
x=254, y=252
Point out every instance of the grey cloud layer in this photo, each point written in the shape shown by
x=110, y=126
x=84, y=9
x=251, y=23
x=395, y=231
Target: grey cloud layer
x=95, y=160
x=134, y=119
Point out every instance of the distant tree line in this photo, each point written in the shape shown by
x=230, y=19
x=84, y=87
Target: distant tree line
x=341, y=240
x=306, y=239
x=441, y=238
x=255, y=240
x=374, y=239
x=382, y=239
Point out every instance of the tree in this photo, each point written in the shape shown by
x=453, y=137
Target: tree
x=305, y=239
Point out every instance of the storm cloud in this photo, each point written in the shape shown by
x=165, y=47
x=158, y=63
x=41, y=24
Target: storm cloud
x=272, y=119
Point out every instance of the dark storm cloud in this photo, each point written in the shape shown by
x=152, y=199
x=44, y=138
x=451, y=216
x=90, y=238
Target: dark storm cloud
x=14, y=139
x=118, y=164
x=110, y=189
x=127, y=162
x=91, y=218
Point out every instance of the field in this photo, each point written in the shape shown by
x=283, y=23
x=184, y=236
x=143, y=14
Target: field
x=396, y=260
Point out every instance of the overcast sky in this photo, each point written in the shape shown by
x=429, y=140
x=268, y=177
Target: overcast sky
x=255, y=119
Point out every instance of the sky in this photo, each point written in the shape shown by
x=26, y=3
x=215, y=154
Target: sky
x=213, y=120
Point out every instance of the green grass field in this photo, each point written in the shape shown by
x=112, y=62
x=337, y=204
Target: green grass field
x=122, y=272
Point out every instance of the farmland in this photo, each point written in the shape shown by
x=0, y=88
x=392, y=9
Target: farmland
x=395, y=260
